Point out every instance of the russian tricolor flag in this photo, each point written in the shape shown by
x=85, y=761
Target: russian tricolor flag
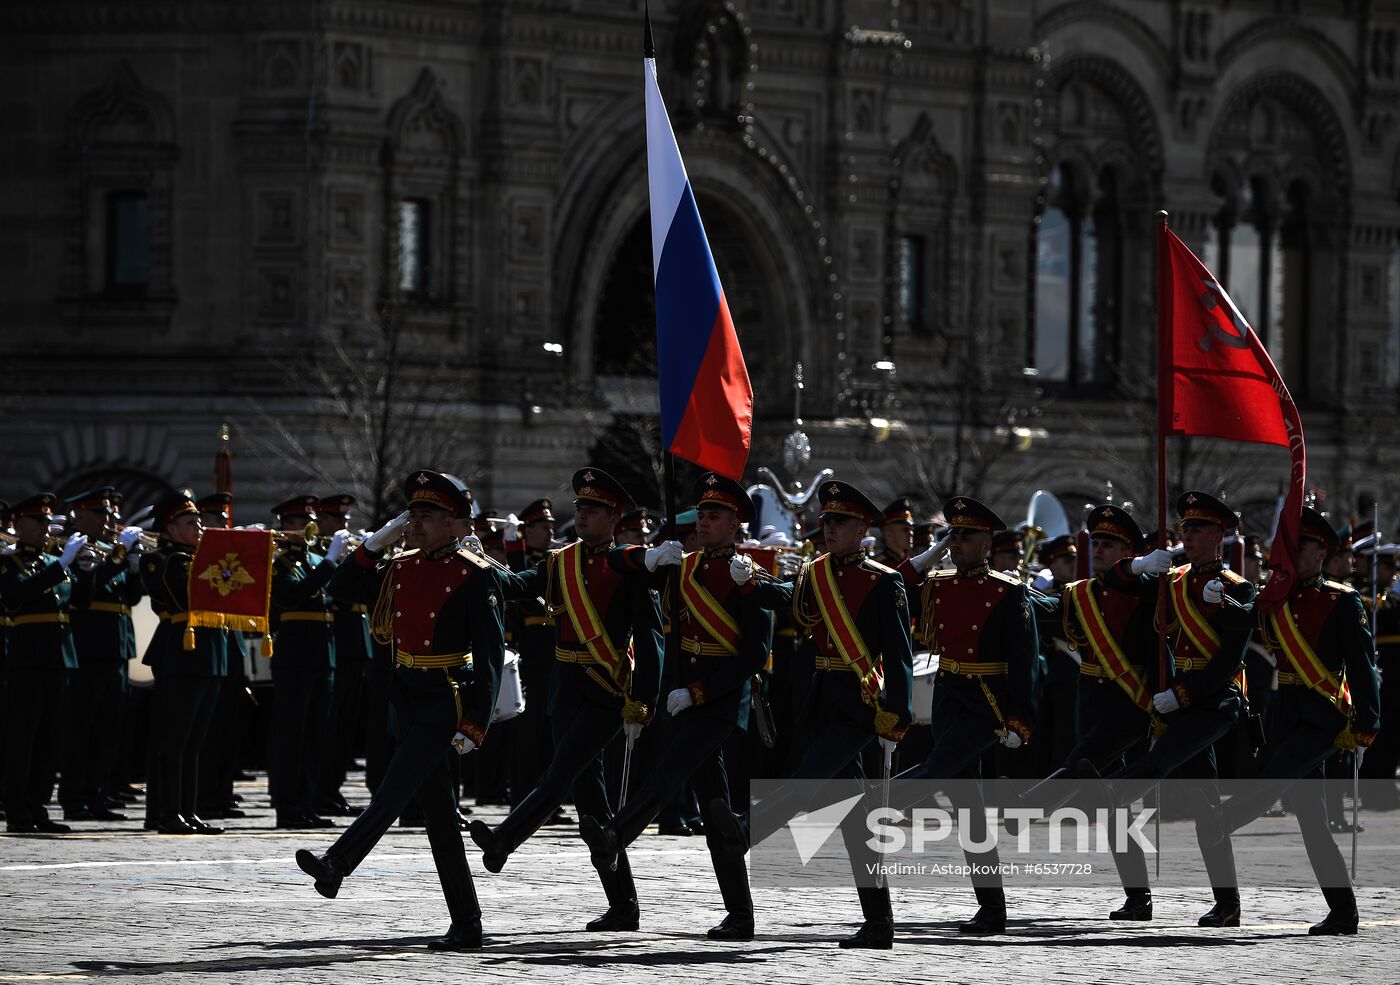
x=706, y=398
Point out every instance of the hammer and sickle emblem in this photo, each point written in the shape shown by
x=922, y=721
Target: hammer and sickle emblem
x=1215, y=297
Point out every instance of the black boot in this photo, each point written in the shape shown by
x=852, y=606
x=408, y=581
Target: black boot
x=326, y=871
x=174, y=824
x=1342, y=918
x=734, y=927
x=459, y=937
x=620, y=916
x=877, y=932
x=493, y=853
x=601, y=842
x=990, y=917
x=727, y=830
x=1138, y=906
x=1225, y=912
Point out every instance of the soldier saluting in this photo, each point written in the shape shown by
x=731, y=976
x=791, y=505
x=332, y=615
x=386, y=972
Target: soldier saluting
x=438, y=608
x=725, y=632
x=1209, y=619
x=855, y=612
x=1328, y=698
x=607, y=672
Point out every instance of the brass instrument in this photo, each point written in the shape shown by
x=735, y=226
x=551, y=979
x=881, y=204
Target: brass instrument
x=53, y=544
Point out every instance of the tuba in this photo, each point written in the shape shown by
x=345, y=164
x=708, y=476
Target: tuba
x=1045, y=520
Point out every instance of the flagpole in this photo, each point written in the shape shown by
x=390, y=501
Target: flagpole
x=1164, y=412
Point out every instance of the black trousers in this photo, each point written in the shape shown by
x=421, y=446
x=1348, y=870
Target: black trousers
x=418, y=771
x=532, y=733
x=91, y=727
x=343, y=728
x=692, y=749
x=580, y=736
x=34, y=701
x=301, y=710
x=180, y=716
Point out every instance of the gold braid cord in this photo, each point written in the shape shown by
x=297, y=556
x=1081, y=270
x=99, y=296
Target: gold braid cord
x=928, y=623
x=381, y=620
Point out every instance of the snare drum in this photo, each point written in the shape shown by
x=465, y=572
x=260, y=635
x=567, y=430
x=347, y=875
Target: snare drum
x=510, y=699
x=925, y=671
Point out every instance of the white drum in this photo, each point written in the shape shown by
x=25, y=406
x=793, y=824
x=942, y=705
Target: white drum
x=510, y=700
x=925, y=670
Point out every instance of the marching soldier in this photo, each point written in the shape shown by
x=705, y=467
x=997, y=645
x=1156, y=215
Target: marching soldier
x=979, y=621
x=896, y=525
x=189, y=664
x=532, y=747
x=855, y=611
x=1209, y=619
x=105, y=639
x=607, y=672
x=1008, y=552
x=1381, y=760
x=1114, y=634
x=724, y=637
x=350, y=629
x=36, y=589
x=439, y=608
x=303, y=666
x=1328, y=698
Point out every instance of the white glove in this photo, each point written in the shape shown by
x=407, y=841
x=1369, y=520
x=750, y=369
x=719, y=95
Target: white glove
x=1165, y=702
x=339, y=540
x=1012, y=740
x=130, y=539
x=512, y=528
x=71, y=547
x=1214, y=590
x=669, y=552
x=678, y=701
x=631, y=730
x=1157, y=563
x=386, y=534
x=922, y=562
x=741, y=569
x=888, y=746
x=462, y=744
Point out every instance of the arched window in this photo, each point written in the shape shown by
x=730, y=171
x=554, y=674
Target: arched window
x=1070, y=294
x=1259, y=248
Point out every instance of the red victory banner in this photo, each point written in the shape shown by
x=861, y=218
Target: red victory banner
x=1215, y=378
x=231, y=583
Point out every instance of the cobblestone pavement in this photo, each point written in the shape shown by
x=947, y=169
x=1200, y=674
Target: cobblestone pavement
x=110, y=901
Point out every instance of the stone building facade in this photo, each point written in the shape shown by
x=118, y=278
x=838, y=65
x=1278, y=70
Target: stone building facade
x=325, y=220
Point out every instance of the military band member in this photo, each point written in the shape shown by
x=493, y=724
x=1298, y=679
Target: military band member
x=924, y=536
x=980, y=623
x=855, y=612
x=896, y=525
x=219, y=764
x=1209, y=619
x=532, y=743
x=1328, y=698
x=439, y=608
x=189, y=664
x=607, y=652
x=105, y=639
x=724, y=638
x=1383, y=757
x=1008, y=552
x=351, y=632
x=303, y=665
x=36, y=589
